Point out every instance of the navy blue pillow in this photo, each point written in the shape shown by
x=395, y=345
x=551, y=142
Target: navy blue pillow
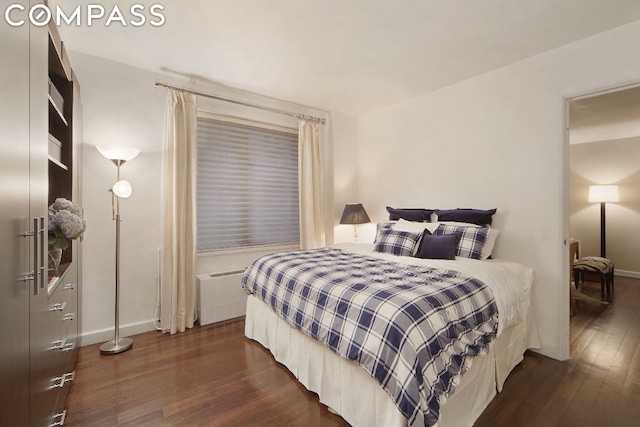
x=472, y=216
x=419, y=215
x=438, y=247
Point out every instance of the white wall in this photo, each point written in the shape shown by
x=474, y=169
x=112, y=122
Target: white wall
x=121, y=106
x=345, y=160
x=497, y=140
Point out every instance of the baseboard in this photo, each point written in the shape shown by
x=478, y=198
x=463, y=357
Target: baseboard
x=629, y=274
x=103, y=335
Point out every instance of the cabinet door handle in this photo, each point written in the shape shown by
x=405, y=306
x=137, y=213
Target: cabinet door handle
x=43, y=255
x=36, y=261
x=69, y=316
x=57, y=345
x=69, y=287
x=27, y=277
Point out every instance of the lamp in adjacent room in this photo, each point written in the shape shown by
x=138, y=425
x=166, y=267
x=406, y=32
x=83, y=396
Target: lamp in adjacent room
x=603, y=194
x=355, y=214
x=120, y=190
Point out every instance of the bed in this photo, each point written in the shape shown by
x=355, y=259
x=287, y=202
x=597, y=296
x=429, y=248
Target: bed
x=357, y=374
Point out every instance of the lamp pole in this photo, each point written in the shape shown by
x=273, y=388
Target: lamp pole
x=118, y=345
x=603, y=233
x=603, y=194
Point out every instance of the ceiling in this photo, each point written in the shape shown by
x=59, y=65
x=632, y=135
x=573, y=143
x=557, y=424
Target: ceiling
x=353, y=56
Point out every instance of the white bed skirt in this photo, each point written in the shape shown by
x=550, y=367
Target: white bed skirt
x=349, y=390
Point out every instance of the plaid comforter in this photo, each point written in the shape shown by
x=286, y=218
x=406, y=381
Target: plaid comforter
x=412, y=328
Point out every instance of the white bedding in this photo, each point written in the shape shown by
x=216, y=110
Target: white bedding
x=335, y=379
x=509, y=281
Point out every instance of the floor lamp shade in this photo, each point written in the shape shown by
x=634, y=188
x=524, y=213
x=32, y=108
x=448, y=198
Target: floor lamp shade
x=603, y=194
x=120, y=190
x=118, y=153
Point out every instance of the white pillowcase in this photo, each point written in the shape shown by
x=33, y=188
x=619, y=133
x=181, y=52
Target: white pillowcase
x=492, y=235
x=410, y=226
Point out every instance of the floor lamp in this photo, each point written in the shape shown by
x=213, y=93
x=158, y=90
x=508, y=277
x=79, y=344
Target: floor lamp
x=120, y=190
x=355, y=214
x=603, y=194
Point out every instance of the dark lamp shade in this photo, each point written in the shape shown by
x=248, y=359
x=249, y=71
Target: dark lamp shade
x=354, y=213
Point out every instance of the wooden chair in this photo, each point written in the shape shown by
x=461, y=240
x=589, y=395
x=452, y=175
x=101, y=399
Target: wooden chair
x=575, y=294
x=603, y=267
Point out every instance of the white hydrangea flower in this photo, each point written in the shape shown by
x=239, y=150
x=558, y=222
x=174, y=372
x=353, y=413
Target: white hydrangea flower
x=65, y=205
x=71, y=225
x=65, y=223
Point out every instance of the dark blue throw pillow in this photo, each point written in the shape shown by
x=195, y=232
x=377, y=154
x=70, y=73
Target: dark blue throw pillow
x=411, y=214
x=472, y=216
x=438, y=247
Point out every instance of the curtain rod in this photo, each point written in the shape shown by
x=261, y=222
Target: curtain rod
x=246, y=104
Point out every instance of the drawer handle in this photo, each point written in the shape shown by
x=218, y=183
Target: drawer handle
x=66, y=378
x=69, y=316
x=69, y=287
x=57, y=344
x=68, y=347
x=58, y=307
x=62, y=415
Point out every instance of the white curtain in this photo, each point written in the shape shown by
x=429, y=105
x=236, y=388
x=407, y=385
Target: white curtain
x=179, y=184
x=311, y=186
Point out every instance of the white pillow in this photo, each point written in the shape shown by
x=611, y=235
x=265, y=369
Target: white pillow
x=410, y=226
x=432, y=226
x=492, y=235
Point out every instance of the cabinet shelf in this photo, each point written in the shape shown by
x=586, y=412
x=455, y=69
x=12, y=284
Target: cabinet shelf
x=60, y=102
x=57, y=110
x=57, y=163
x=59, y=274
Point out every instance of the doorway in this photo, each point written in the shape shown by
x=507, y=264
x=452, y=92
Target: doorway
x=604, y=149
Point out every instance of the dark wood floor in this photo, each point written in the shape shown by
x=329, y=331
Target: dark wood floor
x=599, y=386
x=213, y=376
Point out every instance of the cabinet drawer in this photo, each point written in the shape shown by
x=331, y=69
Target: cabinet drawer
x=61, y=349
x=61, y=388
x=62, y=312
x=62, y=323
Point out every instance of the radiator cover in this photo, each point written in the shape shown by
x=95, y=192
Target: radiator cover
x=220, y=296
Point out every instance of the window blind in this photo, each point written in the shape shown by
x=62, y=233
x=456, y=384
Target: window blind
x=247, y=185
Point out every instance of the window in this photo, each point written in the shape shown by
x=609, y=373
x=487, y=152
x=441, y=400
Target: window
x=247, y=184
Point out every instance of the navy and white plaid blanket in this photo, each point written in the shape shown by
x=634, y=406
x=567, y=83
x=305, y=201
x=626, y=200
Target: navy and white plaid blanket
x=412, y=328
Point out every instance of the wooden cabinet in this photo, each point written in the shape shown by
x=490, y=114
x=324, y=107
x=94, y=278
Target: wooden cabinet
x=39, y=317
x=18, y=206
x=62, y=289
